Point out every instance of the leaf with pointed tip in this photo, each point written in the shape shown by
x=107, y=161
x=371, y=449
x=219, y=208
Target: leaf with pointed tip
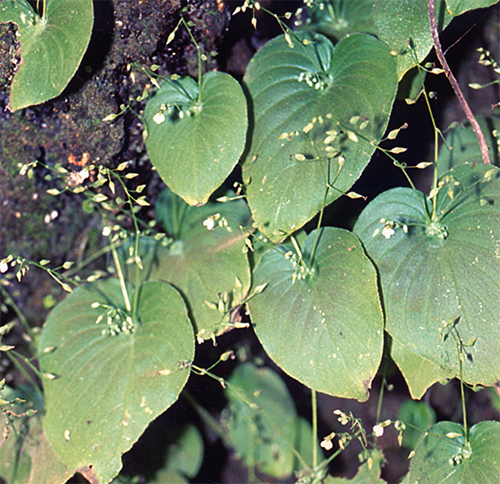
x=195, y=138
x=325, y=329
x=440, y=271
x=109, y=386
x=319, y=112
x=52, y=47
x=443, y=457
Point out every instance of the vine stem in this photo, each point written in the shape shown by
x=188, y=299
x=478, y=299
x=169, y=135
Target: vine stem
x=454, y=83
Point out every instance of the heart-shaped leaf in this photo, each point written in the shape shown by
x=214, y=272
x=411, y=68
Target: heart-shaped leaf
x=322, y=325
x=318, y=113
x=209, y=267
x=443, y=457
x=104, y=383
x=440, y=273
x=52, y=47
x=196, y=135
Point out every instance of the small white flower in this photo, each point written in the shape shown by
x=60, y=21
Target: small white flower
x=326, y=444
x=378, y=430
x=209, y=223
x=388, y=232
x=159, y=118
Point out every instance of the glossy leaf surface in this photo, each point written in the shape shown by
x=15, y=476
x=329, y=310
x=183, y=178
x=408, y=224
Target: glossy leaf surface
x=52, y=47
x=441, y=271
x=317, y=111
x=324, y=329
x=196, y=138
x=443, y=458
x=108, y=383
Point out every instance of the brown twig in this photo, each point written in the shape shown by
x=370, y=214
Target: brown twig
x=454, y=83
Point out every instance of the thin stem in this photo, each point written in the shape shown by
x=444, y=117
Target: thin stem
x=207, y=418
x=199, y=58
x=251, y=404
x=381, y=396
x=123, y=284
x=455, y=85
x=436, y=138
x=320, y=220
x=135, y=304
x=13, y=357
x=296, y=247
x=22, y=318
x=462, y=393
x=314, y=404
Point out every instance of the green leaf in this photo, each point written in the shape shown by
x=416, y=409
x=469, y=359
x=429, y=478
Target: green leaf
x=458, y=7
x=196, y=138
x=324, y=328
x=109, y=387
x=303, y=442
x=441, y=459
x=202, y=264
x=169, y=475
x=256, y=440
x=404, y=26
x=310, y=102
x=52, y=47
x=367, y=473
x=462, y=145
x=418, y=417
x=186, y=455
x=440, y=270
x=420, y=373
x=337, y=18
x=27, y=457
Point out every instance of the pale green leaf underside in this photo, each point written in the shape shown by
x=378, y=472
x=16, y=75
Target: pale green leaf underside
x=326, y=330
x=428, y=280
x=440, y=459
x=51, y=48
x=195, y=146
x=299, y=95
x=109, y=388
